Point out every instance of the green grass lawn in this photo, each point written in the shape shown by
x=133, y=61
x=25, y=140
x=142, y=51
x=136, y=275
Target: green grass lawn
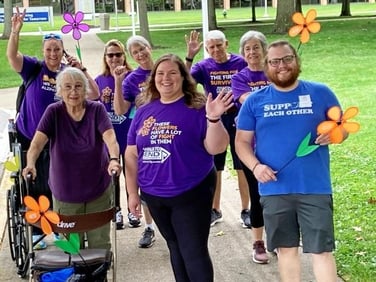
x=340, y=55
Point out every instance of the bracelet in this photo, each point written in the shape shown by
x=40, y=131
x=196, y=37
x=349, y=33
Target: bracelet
x=255, y=166
x=189, y=59
x=213, y=120
x=84, y=69
x=115, y=159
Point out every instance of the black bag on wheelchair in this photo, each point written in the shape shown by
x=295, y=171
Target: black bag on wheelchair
x=91, y=266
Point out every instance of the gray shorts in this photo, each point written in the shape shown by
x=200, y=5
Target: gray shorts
x=287, y=217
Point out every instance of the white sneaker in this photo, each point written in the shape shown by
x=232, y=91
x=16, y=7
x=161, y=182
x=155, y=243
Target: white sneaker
x=41, y=245
x=133, y=221
x=119, y=221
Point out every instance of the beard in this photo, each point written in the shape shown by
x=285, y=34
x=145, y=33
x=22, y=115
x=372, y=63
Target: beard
x=286, y=80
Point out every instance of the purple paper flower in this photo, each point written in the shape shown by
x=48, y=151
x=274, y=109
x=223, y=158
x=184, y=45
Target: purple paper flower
x=75, y=24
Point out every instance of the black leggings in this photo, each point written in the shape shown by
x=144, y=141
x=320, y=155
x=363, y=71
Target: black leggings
x=257, y=219
x=184, y=222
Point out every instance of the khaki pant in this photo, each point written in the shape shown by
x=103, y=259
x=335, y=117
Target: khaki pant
x=98, y=238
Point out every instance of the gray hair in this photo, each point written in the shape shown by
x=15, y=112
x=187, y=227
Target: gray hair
x=136, y=40
x=253, y=34
x=75, y=74
x=216, y=35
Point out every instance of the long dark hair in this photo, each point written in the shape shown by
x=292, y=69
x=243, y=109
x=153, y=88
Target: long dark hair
x=193, y=98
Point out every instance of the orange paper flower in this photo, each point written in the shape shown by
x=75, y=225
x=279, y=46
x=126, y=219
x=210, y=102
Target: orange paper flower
x=338, y=126
x=304, y=25
x=39, y=211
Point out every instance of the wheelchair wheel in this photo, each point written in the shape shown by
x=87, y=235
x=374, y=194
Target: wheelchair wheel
x=21, y=244
x=11, y=224
x=22, y=247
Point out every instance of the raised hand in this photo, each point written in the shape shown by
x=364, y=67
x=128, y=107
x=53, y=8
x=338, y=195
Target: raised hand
x=120, y=72
x=18, y=20
x=215, y=108
x=193, y=44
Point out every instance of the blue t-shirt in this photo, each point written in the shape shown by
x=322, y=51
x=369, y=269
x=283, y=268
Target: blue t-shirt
x=172, y=158
x=280, y=121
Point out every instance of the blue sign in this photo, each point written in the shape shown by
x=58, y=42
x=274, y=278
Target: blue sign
x=33, y=14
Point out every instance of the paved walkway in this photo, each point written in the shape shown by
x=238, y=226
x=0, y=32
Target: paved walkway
x=230, y=244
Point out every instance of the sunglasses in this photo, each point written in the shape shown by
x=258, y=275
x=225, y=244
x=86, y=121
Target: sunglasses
x=52, y=36
x=117, y=55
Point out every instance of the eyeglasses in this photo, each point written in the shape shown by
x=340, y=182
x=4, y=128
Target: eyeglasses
x=69, y=87
x=52, y=36
x=117, y=55
x=277, y=61
x=140, y=50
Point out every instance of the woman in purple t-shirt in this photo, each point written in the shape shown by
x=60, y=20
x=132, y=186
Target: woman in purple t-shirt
x=132, y=86
x=40, y=94
x=171, y=143
x=81, y=140
x=252, y=78
x=115, y=69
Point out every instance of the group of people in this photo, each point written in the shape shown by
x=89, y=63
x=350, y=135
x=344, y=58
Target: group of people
x=155, y=127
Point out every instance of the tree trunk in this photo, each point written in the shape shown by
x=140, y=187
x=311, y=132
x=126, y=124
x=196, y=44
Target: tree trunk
x=212, y=20
x=345, y=11
x=8, y=13
x=298, y=7
x=144, y=23
x=254, y=10
x=283, y=21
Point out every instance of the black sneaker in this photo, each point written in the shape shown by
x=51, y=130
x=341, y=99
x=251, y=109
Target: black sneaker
x=216, y=217
x=246, y=218
x=133, y=221
x=147, y=239
x=119, y=221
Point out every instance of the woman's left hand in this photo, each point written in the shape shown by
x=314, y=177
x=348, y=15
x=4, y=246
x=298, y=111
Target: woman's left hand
x=114, y=166
x=73, y=62
x=215, y=108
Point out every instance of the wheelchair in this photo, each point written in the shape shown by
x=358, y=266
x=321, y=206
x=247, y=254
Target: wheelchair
x=89, y=265
x=18, y=230
x=92, y=265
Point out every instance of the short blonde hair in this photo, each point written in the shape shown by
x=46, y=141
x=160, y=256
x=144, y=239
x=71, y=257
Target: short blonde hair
x=115, y=43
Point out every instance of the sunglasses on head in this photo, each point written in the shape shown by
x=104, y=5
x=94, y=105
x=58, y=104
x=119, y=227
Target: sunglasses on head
x=52, y=36
x=117, y=55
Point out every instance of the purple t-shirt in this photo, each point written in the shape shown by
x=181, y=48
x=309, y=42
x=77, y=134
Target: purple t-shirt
x=79, y=159
x=40, y=93
x=172, y=158
x=133, y=85
x=214, y=76
x=247, y=81
x=121, y=123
